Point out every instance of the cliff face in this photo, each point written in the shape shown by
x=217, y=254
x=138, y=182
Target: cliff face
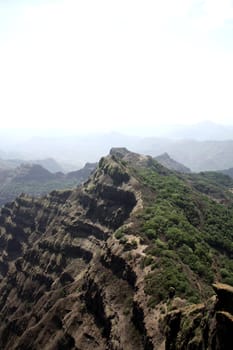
x=80, y=269
x=203, y=326
x=65, y=280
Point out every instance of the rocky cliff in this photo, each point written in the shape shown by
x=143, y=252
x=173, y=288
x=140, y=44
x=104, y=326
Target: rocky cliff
x=95, y=268
x=65, y=279
x=204, y=326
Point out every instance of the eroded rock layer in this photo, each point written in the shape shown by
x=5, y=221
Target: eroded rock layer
x=203, y=326
x=82, y=269
x=64, y=283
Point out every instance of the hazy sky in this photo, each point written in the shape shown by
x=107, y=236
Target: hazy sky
x=110, y=64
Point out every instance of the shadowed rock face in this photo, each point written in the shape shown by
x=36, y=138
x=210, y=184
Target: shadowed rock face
x=73, y=270
x=204, y=326
x=58, y=289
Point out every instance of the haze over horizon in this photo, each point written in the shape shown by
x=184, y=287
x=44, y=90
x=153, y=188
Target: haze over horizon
x=201, y=146
x=104, y=66
x=204, y=130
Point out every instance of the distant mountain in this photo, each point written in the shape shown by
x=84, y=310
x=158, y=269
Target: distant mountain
x=32, y=172
x=205, y=130
x=202, y=131
x=82, y=174
x=196, y=155
x=171, y=164
x=201, y=147
x=10, y=163
x=35, y=180
x=74, y=149
x=125, y=261
x=49, y=163
x=228, y=172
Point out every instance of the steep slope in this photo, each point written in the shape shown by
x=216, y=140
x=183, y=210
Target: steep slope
x=82, y=174
x=94, y=267
x=48, y=263
x=204, y=326
x=171, y=164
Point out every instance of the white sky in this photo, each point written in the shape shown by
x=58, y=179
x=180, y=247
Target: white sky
x=95, y=64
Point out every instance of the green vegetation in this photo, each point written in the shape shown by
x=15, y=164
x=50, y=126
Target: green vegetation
x=212, y=184
x=189, y=233
x=119, y=233
x=168, y=275
x=114, y=170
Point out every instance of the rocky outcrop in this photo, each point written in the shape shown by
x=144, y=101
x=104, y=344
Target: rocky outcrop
x=204, y=326
x=79, y=268
x=62, y=272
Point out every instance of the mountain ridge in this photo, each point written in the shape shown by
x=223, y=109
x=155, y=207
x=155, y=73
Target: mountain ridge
x=171, y=164
x=35, y=180
x=94, y=267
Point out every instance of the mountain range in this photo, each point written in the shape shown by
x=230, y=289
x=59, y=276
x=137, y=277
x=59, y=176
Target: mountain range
x=200, y=147
x=228, y=172
x=171, y=164
x=35, y=180
x=125, y=261
x=196, y=155
x=49, y=163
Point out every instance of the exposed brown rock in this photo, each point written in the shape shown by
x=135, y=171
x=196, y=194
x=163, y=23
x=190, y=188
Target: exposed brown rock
x=68, y=282
x=65, y=280
x=204, y=326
